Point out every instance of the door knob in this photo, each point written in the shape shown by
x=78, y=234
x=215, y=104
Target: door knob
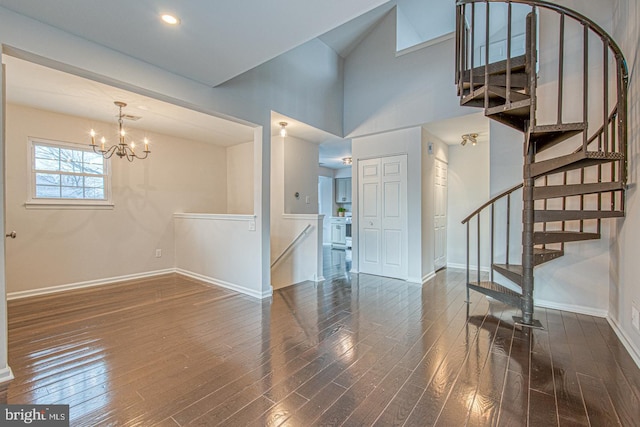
x=12, y=235
x=371, y=223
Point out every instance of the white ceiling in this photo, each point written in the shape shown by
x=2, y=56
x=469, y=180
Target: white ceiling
x=450, y=131
x=216, y=40
x=41, y=87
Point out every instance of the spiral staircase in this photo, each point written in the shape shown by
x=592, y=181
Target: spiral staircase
x=560, y=79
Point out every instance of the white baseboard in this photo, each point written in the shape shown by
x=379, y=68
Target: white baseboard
x=428, y=277
x=579, y=309
x=471, y=267
x=227, y=285
x=634, y=352
x=417, y=280
x=6, y=375
x=320, y=279
x=87, y=284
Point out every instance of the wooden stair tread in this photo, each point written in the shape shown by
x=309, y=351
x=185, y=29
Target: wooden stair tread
x=573, y=215
x=498, y=292
x=547, y=237
x=571, y=161
x=547, y=136
x=556, y=191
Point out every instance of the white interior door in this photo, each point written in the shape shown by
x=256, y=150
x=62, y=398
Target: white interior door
x=382, y=216
x=440, y=216
x=369, y=216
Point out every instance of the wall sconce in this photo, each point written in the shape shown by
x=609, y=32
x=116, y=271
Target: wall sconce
x=469, y=137
x=283, y=129
x=347, y=161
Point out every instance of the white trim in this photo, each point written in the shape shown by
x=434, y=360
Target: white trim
x=425, y=44
x=87, y=284
x=428, y=277
x=472, y=268
x=6, y=375
x=579, y=309
x=414, y=280
x=214, y=217
x=58, y=204
x=634, y=352
x=34, y=202
x=227, y=285
x=311, y=217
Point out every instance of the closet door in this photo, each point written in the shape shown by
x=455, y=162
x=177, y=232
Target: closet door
x=382, y=216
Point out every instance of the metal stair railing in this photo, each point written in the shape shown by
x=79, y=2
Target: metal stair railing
x=491, y=205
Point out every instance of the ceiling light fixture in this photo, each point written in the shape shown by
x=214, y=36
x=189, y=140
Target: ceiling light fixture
x=469, y=137
x=170, y=19
x=121, y=149
x=347, y=161
x=283, y=129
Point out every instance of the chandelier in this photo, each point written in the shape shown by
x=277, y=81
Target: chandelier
x=122, y=149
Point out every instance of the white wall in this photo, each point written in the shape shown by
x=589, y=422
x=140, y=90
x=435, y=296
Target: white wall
x=468, y=190
x=297, y=160
x=72, y=246
x=405, y=141
x=300, y=176
x=222, y=263
x=384, y=92
x=624, y=268
x=240, y=178
x=440, y=152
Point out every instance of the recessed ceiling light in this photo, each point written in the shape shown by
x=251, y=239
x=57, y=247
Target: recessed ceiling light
x=170, y=19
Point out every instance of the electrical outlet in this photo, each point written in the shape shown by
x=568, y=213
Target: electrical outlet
x=307, y=200
x=252, y=226
x=158, y=253
x=635, y=317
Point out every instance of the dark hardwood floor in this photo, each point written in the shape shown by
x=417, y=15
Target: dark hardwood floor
x=359, y=350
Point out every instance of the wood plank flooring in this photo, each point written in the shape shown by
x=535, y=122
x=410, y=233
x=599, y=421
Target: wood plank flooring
x=354, y=350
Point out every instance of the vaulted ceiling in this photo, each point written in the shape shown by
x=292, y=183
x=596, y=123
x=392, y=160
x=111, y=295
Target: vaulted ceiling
x=215, y=41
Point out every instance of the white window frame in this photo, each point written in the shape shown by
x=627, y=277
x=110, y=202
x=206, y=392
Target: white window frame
x=61, y=203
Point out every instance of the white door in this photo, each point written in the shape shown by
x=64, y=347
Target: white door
x=382, y=216
x=440, y=216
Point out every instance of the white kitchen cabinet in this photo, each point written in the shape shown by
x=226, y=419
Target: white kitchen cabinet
x=338, y=232
x=343, y=190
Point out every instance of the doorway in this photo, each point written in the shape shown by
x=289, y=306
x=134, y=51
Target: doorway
x=382, y=216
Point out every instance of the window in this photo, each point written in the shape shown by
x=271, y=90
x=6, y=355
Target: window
x=67, y=174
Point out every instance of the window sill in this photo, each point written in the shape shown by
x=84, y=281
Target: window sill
x=65, y=204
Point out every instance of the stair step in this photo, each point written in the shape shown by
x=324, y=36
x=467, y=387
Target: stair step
x=547, y=237
x=571, y=161
x=540, y=256
x=519, y=81
x=518, y=64
x=546, y=136
x=496, y=291
x=512, y=272
x=497, y=96
x=556, y=191
x=566, y=215
x=515, y=115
